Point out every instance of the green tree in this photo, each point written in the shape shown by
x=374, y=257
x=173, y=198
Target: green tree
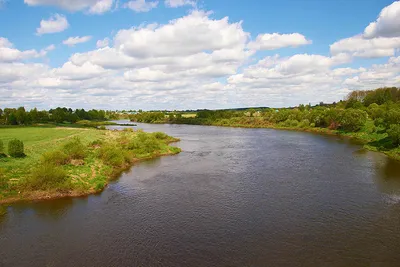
x=394, y=134
x=352, y=120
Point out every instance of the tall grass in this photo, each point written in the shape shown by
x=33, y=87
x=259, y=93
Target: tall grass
x=47, y=176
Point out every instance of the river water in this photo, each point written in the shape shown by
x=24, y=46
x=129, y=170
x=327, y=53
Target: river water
x=233, y=197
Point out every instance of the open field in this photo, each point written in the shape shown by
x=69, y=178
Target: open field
x=101, y=156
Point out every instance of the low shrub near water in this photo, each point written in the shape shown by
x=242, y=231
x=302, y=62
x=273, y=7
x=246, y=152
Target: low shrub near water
x=47, y=176
x=160, y=135
x=16, y=148
x=75, y=149
x=3, y=179
x=394, y=134
x=112, y=155
x=56, y=157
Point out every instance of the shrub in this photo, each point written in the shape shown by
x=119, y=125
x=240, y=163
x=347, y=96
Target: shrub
x=3, y=179
x=56, y=157
x=96, y=143
x=74, y=149
x=304, y=123
x=112, y=155
x=394, y=134
x=47, y=176
x=102, y=127
x=290, y=123
x=1, y=147
x=16, y=148
x=353, y=120
x=160, y=135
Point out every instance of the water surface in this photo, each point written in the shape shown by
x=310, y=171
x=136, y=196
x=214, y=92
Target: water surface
x=233, y=197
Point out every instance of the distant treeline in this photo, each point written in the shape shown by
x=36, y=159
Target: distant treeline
x=20, y=116
x=373, y=113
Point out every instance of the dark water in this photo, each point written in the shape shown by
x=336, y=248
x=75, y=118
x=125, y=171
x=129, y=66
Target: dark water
x=233, y=197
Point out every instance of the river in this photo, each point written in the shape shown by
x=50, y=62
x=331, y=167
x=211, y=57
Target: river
x=233, y=197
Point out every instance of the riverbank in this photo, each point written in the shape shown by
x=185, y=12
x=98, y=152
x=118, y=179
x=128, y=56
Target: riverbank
x=369, y=136
x=70, y=162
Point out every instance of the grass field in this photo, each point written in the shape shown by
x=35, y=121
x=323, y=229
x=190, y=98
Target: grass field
x=106, y=154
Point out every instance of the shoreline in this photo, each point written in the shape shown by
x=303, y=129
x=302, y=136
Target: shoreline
x=37, y=196
x=315, y=130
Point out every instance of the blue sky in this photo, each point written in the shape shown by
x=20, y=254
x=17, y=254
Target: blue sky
x=194, y=54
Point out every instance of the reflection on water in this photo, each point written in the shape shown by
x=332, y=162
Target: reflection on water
x=233, y=197
x=52, y=210
x=387, y=177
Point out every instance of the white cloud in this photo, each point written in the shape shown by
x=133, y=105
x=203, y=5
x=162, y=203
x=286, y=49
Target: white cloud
x=72, y=41
x=195, y=61
x=10, y=54
x=380, y=39
x=141, y=5
x=92, y=6
x=188, y=35
x=275, y=41
x=69, y=71
x=387, y=24
x=102, y=43
x=56, y=23
x=179, y=3
x=101, y=6
x=50, y=47
x=358, y=46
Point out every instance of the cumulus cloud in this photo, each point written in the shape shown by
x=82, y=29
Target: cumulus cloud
x=102, y=43
x=275, y=41
x=92, y=6
x=381, y=38
x=56, y=23
x=195, y=61
x=358, y=46
x=179, y=3
x=10, y=54
x=387, y=24
x=72, y=41
x=141, y=5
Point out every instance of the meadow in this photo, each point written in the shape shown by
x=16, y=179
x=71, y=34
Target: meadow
x=63, y=161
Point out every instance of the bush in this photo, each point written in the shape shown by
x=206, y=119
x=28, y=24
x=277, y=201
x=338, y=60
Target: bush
x=55, y=157
x=112, y=155
x=160, y=135
x=47, y=176
x=1, y=147
x=74, y=149
x=304, y=123
x=3, y=180
x=16, y=148
x=353, y=120
x=394, y=134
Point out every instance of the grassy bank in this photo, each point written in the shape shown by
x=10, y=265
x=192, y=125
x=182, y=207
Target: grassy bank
x=62, y=161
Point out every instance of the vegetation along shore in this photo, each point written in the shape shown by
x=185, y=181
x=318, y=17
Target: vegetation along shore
x=54, y=162
x=371, y=117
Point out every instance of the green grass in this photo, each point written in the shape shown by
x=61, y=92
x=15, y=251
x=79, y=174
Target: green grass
x=66, y=161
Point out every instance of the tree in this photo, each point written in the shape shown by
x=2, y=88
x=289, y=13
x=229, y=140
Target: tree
x=20, y=116
x=353, y=120
x=394, y=134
